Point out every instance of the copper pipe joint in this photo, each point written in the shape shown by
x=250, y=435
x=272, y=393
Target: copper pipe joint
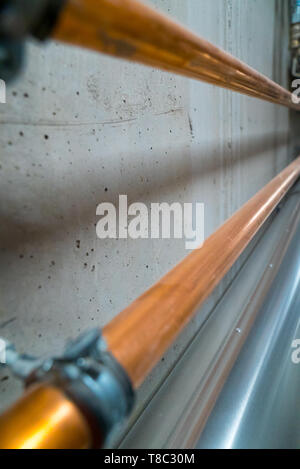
x=44, y=418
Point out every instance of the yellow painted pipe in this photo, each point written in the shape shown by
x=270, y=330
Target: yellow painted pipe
x=44, y=418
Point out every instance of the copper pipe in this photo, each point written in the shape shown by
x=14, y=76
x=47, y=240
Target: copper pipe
x=140, y=335
x=134, y=31
x=44, y=418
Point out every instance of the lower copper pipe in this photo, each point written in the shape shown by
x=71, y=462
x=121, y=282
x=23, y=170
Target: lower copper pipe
x=140, y=335
x=131, y=30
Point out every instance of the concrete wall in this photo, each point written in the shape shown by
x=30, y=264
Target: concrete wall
x=79, y=129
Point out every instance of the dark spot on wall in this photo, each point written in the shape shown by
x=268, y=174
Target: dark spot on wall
x=191, y=126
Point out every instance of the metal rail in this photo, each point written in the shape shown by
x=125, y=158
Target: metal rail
x=259, y=405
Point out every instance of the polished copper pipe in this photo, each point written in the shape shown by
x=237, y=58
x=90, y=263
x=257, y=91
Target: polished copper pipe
x=44, y=418
x=134, y=31
x=140, y=335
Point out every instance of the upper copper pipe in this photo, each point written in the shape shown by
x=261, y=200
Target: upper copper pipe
x=141, y=334
x=134, y=31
